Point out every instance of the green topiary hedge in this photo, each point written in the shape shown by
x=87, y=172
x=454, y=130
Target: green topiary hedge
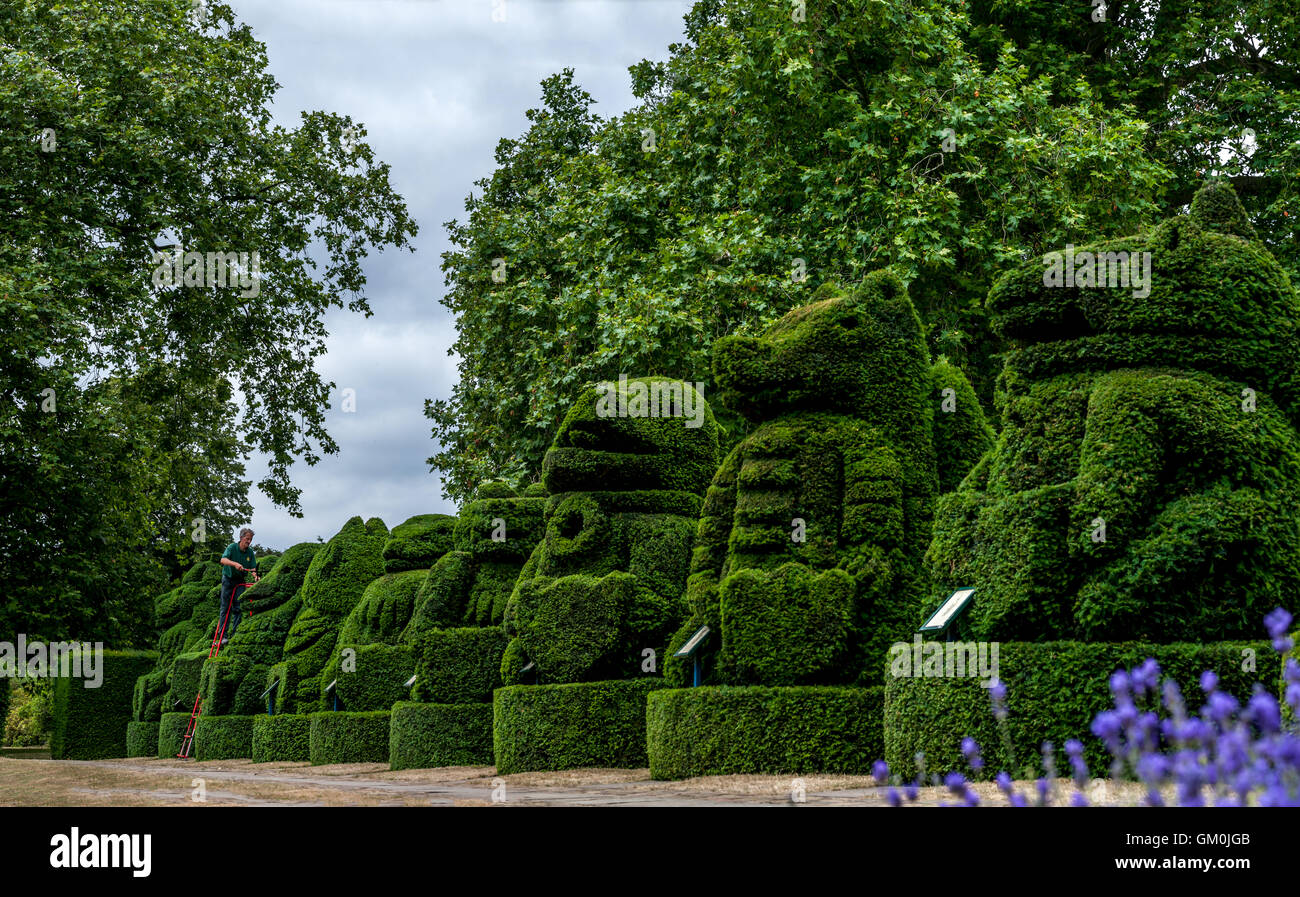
x=384, y=610
x=416, y=543
x=186, y=679
x=90, y=723
x=1146, y=479
x=223, y=737
x=142, y=739
x=430, y=735
x=349, y=737
x=282, y=737
x=582, y=724
x=724, y=731
x=377, y=680
x=4, y=700
x=335, y=581
x=458, y=666
x=149, y=695
x=171, y=731
x=1054, y=691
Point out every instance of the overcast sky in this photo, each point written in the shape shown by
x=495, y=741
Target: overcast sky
x=436, y=83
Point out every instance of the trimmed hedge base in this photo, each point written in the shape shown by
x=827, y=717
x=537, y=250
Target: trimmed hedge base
x=721, y=730
x=142, y=739
x=1054, y=690
x=342, y=737
x=583, y=724
x=424, y=736
x=171, y=731
x=284, y=737
x=223, y=737
x=90, y=723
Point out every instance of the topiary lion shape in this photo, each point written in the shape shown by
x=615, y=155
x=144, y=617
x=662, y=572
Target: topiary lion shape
x=1145, y=481
x=808, y=558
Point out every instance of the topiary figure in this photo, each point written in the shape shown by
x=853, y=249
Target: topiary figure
x=335, y=581
x=808, y=560
x=604, y=584
x=418, y=542
x=1144, y=484
x=469, y=585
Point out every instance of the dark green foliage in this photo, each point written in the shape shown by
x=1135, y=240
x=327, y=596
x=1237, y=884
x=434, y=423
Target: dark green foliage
x=1146, y=480
x=726, y=731
x=233, y=684
x=582, y=724
x=282, y=737
x=340, y=571
x=377, y=681
x=442, y=598
x=807, y=557
x=90, y=723
x=470, y=586
x=595, y=447
x=186, y=678
x=418, y=542
x=174, y=641
x=150, y=695
x=349, y=737
x=203, y=572
x=785, y=626
x=962, y=435
x=384, y=610
x=4, y=702
x=604, y=584
x=171, y=731
x=430, y=735
x=223, y=737
x=142, y=739
x=179, y=604
x=1054, y=691
x=335, y=581
x=458, y=666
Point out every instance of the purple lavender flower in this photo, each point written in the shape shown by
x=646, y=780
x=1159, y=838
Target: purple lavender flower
x=1220, y=707
x=1262, y=710
x=880, y=771
x=913, y=791
x=1119, y=684
x=1277, y=623
x=895, y=799
x=1209, y=681
x=971, y=751
x=1078, y=800
x=1146, y=677
x=1003, y=780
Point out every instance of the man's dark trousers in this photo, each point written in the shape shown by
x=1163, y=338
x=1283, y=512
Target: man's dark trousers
x=228, y=600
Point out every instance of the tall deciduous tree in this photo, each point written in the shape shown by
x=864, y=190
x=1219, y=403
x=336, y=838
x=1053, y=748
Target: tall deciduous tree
x=132, y=131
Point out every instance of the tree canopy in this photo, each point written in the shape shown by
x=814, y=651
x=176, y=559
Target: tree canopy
x=136, y=380
x=780, y=146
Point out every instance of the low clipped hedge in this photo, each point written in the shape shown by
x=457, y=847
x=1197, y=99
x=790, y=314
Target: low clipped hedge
x=802, y=729
x=343, y=737
x=284, y=737
x=429, y=735
x=90, y=723
x=223, y=737
x=171, y=731
x=582, y=724
x=1054, y=691
x=142, y=739
x=458, y=666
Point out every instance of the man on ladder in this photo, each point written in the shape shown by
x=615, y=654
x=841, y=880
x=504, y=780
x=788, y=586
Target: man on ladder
x=237, y=560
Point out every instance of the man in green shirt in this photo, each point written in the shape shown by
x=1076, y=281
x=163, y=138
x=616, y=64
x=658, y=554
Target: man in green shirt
x=237, y=560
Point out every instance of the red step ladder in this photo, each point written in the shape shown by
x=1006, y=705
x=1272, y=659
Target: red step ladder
x=187, y=742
